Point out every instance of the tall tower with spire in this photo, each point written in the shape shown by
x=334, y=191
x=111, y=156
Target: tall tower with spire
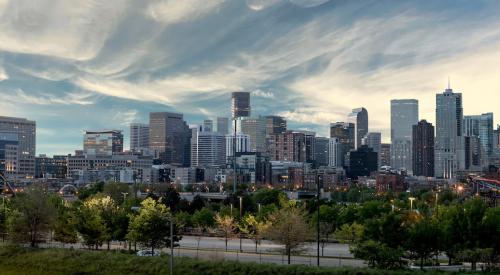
x=449, y=147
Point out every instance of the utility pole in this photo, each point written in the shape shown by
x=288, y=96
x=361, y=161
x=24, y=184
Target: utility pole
x=234, y=156
x=172, y=245
x=241, y=213
x=318, y=220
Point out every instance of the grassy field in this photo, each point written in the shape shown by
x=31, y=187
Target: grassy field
x=59, y=261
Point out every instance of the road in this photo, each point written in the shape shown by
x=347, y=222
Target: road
x=330, y=250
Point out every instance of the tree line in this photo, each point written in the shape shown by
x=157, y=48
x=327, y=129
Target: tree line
x=380, y=228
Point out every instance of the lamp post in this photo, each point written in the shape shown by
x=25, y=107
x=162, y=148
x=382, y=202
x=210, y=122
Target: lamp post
x=241, y=213
x=171, y=244
x=124, y=196
x=318, y=177
x=411, y=202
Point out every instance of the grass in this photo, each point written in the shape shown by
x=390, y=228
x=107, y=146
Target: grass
x=15, y=260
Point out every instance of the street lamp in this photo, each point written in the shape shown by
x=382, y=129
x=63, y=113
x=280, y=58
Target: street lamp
x=411, y=202
x=124, y=196
x=241, y=213
x=318, y=178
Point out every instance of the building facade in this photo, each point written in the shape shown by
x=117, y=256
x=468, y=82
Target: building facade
x=24, y=131
x=223, y=125
x=240, y=104
x=105, y=142
x=359, y=117
x=287, y=146
x=481, y=126
x=345, y=132
x=423, y=149
x=404, y=114
x=449, y=146
x=275, y=125
x=256, y=129
x=169, y=138
x=139, y=137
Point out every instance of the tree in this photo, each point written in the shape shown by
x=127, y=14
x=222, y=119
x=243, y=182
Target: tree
x=65, y=229
x=32, y=218
x=91, y=189
x=288, y=227
x=423, y=240
x=202, y=219
x=106, y=208
x=253, y=228
x=91, y=227
x=266, y=196
x=116, y=190
x=151, y=227
x=349, y=233
x=378, y=254
x=171, y=199
x=328, y=223
x=226, y=225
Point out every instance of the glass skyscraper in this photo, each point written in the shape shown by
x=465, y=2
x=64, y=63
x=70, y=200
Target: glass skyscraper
x=404, y=114
x=449, y=145
x=480, y=126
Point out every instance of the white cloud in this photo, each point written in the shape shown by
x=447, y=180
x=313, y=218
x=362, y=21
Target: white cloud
x=258, y=5
x=308, y=3
x=3, y=75
x=264, y=94
x=58, y=28
x=173, y=11
x=124, y=118
x=20, y=96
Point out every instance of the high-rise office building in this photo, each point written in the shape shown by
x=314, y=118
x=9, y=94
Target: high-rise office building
x=374, y=141
x=275, y=125
x=359, y=117
x=335, y=157
x=222, y=125
x=25, y=130
x=208, y=125
x=449, y=145
x=103, y=143
x=169, y=138
x=496, y=139
x=242, y=145
x=310, y=141
x=404, y=114
x=208, y=150
x=362, y=162
x=384, y=155
x=345, y=132
x=139, y=137
x=240, y=104
x=423, y=149
x=321, y=151
x=256, y=129
x=9, y=153
x=480, y=126
x=288, y=146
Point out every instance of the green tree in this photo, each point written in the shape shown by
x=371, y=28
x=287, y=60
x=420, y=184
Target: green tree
x=378, y=254
x=226, y=225
x=288, y=227
x=116, y=190
x=328, y=223
x=171, y=199
x=32, y=218
x=253, y=228
x=65, y=229
x=423, y=240
x=91, y=227
x=349, y=233
x=151, y=227
x=106, y=208
x=266, y=196
x=90, y=190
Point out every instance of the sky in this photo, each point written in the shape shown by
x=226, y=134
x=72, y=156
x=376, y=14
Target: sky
x=102, y=64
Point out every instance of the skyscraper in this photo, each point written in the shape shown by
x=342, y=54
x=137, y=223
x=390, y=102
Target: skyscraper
x=256, y=129
x=423, y=149
x=222, y=125
x=139, y=137
x=404, y=114
x=359, y=117
x=480, y=126
x=362, y=162
x=208, y=125
x=373, y=140
x=9, y=153
x=209, y=150
x=240, y=104
x=321, y=151
x=449, y=146
x=24, y=132
x=384, y=155
x=103, y=143
x=288, y=146
x=169, y=137
x=275, y=125
x=345, y=132
x=335, y=157
x=310, y=142
x=242, y=145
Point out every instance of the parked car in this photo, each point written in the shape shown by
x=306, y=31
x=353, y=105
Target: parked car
x=147, y=253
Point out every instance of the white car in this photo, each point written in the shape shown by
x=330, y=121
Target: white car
x=147, y=253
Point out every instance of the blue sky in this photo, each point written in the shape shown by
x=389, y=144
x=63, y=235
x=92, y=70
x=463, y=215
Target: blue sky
x=76, y=65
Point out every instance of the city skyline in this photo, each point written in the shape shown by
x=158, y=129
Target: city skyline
x=105, y=80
